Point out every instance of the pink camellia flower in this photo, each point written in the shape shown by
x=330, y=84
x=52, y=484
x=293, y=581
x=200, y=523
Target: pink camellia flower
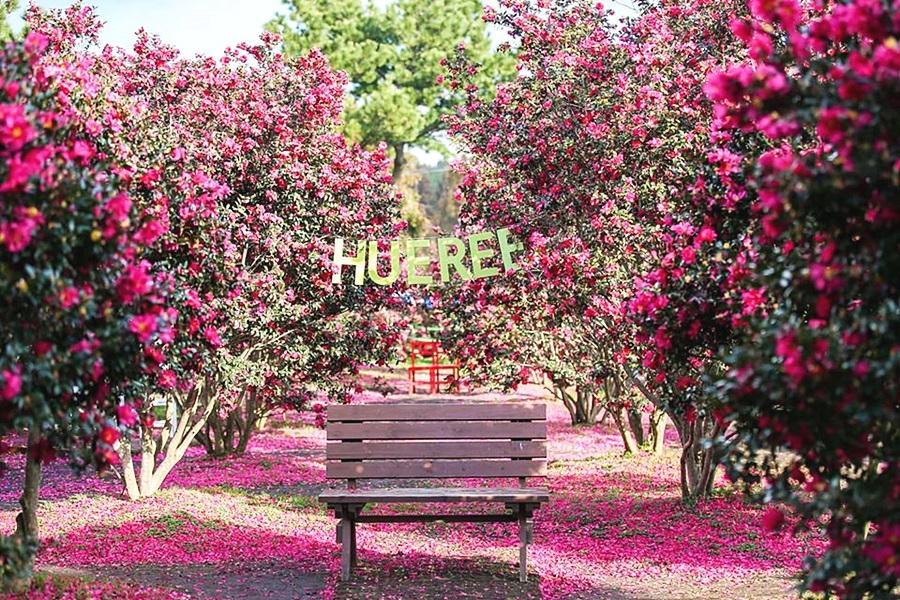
x=662, y=340
x=118, y=207
x=109, y=435
x=707, y=234
x=21, y=168
x=82, y=150
x=42, y=347
x=787, y=12
x=12, y=383
x=149, y=232
x=82, y=346
x=728, y=86
x=68, y=297
x=127, y=416
x=831, y=127
x=97, y=370
x=134, y=282
x=36, y=42
x=886, y=60
x=143, y=326
x=752, y=299
x=212, y=336
x=684, y=382
x=15, y=130
x=772, y=519
x=774, y=81
x=17, y=234
x=167, y=379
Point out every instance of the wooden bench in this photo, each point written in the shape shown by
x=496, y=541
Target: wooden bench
x=435, y=441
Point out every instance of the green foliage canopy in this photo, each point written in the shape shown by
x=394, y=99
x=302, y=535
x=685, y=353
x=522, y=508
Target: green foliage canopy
x=392, y=55
x=6, y=8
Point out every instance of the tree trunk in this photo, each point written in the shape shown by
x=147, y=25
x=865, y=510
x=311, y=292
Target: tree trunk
x=620, y=417
x=658, y=422
x=251, y=421
x=131, y=484
x=399, y=161
x=697, y=464
x=637, y=425
x=27, y=520
x=230, y=434
x=160, y=455
x=21, y=547
x=581, y=403
x=559, y=392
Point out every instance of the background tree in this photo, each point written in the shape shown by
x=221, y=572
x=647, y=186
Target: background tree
x=392, y=56
x=437, y=187
x=412, y=210
x=7, y=7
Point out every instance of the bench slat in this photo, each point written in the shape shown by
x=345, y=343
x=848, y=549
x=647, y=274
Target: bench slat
x=436, y=431
x=518, y=411
x=512, y=495
x=432, y=450
x=411, y=469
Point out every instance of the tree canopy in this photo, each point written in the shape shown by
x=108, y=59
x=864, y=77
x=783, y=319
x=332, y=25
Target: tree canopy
x=393, y=58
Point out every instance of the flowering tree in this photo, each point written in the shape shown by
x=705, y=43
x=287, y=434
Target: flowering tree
x=507, y=330
x=597, y=152
x=240, y=161
x=261, y=199
x=814, y=390
x=79, y=308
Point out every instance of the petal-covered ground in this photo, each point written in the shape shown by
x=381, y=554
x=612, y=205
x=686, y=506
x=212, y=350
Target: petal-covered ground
x=250, y=527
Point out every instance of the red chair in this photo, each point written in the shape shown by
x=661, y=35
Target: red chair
x=425, y=359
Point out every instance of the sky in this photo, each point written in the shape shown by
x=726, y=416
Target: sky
x=196, y=26
x=192, y=26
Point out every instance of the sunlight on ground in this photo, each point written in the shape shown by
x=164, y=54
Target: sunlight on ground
x=615, y=528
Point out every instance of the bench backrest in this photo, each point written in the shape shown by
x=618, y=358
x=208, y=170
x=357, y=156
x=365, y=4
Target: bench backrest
x=392, y=441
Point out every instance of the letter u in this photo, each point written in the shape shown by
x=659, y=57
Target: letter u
x=373, y=263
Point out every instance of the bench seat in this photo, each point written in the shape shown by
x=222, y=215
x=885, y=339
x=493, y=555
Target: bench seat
x=491, y=440
x=536, y=495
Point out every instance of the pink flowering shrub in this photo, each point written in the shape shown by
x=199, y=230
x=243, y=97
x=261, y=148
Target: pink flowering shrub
x=731, y=248
x=76, y=319
x=240, y=160
x=818, y=375
x=596, y=157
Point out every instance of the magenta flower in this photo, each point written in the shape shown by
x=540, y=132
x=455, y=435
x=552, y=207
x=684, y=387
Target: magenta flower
x=772, y=519
x=126, y=415
x=134, y=281
x=15, y=129
x=211, y=335
x=12, y=383
x=143, y=326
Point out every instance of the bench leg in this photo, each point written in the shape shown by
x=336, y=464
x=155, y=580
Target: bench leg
x=523, y=545
x=353, y=543
x=346, y=547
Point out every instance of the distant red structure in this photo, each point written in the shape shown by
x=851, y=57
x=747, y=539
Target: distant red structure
x=425, y=368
